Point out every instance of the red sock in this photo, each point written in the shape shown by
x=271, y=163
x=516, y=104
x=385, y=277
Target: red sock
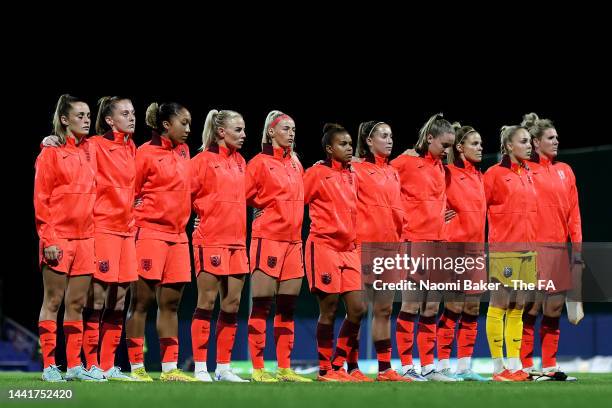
x=73, y=331
x=200, y=334
x=528, y=340
x=549, y=335
x=110, y=337
x=91, y=337
x=426, y=339
x=227, y=324
x=47, y=332
x=404, y=336
x=325, y=345
x=466, y=335
x=284, y=327
x=347, y=339
x=446, y=333
x=169, y=349
x=135, y=346
x=383, y=353
x=352, y=361
x=257, y=330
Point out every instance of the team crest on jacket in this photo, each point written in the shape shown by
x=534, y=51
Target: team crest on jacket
x=507, y=271
x=183, y=153
x=215, y=260
x=326, y=278
x=146, y=264
x=60, y=255
x=561, y=174
x=103, y=266
x=272, y=261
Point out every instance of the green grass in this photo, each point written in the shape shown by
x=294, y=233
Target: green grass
x=591, y=390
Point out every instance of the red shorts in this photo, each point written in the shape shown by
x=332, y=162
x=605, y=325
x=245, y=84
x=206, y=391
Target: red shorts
x=331, y=271
x=280, y=260
x=370, y=254
x=470, y=265
x=220, y=261
x=76, y=257
x=554, y=267
x=166, y=262
x=115, y=258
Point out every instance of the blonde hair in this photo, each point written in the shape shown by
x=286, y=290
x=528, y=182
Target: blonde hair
x=106, y=105
x=461, y=133
x=536, y=126
x=215, y=120
x=62, y=108
x=365, y=130
x=507, y=133
x=435, y=126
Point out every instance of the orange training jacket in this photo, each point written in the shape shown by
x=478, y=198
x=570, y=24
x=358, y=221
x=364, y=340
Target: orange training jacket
x=558, y=210
x=380, y=215
x=163, y=183
x=465, y=194
x=330, y=190
x=115, y=159
x=65, y=192
x=219, y=197
x=423, y=196
x=274, y=184
x=511, y=203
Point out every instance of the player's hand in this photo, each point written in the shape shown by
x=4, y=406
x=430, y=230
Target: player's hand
x=51, y=141
x=51, y=253
x=411, y=152
x=196, y=222
x=356, y=159
x=449, y=215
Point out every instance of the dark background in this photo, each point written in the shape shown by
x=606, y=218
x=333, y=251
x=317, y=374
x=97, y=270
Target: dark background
x=313, y=93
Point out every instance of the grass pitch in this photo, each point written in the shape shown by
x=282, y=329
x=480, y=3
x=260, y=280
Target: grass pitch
x=591, y=390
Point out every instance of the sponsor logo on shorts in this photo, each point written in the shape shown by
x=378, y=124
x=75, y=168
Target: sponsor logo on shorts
x=272, y=261
x=326, y=278
x=146, y=264
x=215, y=260
x=507, y=271
x=103, y=266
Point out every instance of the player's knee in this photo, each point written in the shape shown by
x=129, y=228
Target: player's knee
x=119, y=304
x=411, y=308
x=171, y=305
x=76, y=304
x=53, y=301
x=329, y=314
x=518, y=304
x=98, y=304
x=230, y=307
x=383, y=311
x=553, y=309
x=142, y=304
x=431, y=309
x=472, y=308
x=454, y=307
x=356, y=311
